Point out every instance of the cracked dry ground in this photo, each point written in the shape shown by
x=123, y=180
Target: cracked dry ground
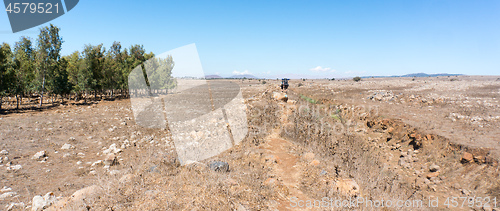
x=294, y=151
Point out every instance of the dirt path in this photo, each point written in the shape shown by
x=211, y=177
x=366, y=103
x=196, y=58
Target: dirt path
x=286, y=169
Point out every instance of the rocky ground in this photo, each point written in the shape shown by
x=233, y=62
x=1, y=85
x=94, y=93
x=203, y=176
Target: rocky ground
x=401, y=139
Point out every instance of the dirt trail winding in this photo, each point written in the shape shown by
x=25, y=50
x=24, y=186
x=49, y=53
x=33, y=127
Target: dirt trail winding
x=286, y=168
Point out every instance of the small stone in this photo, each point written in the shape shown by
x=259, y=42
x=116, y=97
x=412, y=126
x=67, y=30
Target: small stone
x=39, y=155
x=219, y=166
x=67, y=146
x=479, y=159
x=112, y=149
x=110, y=160
x=41, y=203
x=14, y=167
x=97, y=163
x=16, y=206
x=5, y=189
x=79, y=162
x=72, y=139
x=467, y=157
x=314, y=163
x=7, y=195
x=433, y=174
x=434, y=168
x=4, y=152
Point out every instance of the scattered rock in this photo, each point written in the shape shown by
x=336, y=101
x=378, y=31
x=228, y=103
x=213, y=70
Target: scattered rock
x=16, y=206
x=40, y=203
x=479, y=159
x=467, y=157
x=67, y=146
x=280, y=96
x=4, y=152
x=77, y=201
x=14, y=167
x=110, y=160
x=434, y=168
x=5, y=189
x=112, y=149
x=72, y=139
x=219, y=166
x=39, y=155
x=7, y=195
x=433, y=174
x=314, y=163
x=97, y=163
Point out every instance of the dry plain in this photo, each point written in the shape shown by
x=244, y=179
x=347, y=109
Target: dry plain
x=390, y=139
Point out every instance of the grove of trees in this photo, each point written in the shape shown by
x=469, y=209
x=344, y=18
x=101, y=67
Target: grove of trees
x=37, y=70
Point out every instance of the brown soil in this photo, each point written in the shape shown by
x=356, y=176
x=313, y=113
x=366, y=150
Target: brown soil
x=328, y=140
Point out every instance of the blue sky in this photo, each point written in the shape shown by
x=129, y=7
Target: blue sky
x=301, y=38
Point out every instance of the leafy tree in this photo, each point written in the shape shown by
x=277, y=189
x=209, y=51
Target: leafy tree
x=24, y=60
x=357, y=78
x=159, y=73
x=6, y=71
x=48, y=51
x=60, y=82
x=114, y=70
x=92, y=72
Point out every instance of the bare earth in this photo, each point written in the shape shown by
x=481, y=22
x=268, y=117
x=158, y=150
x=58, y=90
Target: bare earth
x=378, y=139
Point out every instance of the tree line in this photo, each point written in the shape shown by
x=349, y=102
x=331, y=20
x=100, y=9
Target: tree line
x=37, y=69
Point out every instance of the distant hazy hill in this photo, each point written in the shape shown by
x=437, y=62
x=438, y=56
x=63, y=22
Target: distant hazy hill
x=242, y=76
x=428, y=75
x=212, y=77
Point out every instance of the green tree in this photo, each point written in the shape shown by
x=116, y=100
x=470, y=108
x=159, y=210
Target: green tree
x=24, y=60
x=357, y=78
x=6, y=72
x=159, y=73
x=60, y=80
x=48, y=51
x=92, y=73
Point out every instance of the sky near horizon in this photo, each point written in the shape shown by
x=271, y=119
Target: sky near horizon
x=296, y=38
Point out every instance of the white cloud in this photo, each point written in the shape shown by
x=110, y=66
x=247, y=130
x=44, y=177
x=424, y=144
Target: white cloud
x=321, y=69
x=245, y=72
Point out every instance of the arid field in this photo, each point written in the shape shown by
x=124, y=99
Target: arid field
x=408, y=140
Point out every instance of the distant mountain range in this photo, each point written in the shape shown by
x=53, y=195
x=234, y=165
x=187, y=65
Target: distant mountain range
x=414, y=75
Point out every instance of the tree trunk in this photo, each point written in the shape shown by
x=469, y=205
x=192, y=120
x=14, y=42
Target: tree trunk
x=17, y=102
x=43, y=87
